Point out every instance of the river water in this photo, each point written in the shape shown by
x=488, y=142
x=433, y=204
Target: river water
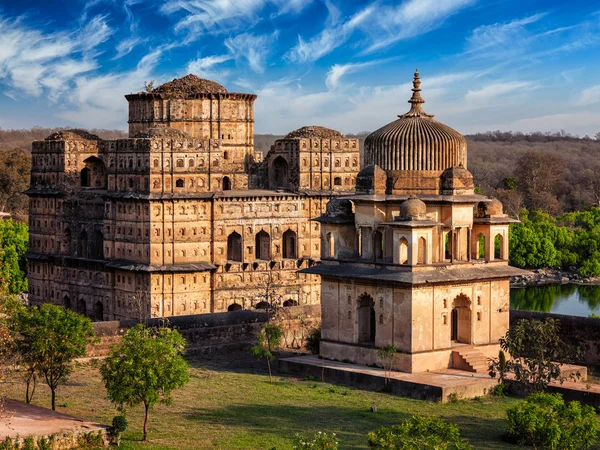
x=571, y=299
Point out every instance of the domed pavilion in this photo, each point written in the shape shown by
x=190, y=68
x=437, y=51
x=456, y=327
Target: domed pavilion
x=415, y=259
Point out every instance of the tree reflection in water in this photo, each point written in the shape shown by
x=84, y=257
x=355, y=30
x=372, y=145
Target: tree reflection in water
x=542, y=298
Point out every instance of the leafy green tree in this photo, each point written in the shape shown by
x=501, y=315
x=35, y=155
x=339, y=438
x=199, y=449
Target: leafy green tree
x=545, y=421
x=536, y=352
x=14, y=239
x=49, y=339
x=418, y=433
x=145, y=368
x=267, y=340
x=387, y=355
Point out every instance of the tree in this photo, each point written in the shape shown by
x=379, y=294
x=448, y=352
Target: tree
x=14, y=239
x=387, y=356
x=536, y=354
x=7, y=348
x=418, y=433
x=49, y=338
x=268, y=339
x=145, y=368
x=15, y=167
x=545, y=421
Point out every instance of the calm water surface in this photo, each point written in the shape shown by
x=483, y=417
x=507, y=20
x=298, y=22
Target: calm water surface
x=557, y=298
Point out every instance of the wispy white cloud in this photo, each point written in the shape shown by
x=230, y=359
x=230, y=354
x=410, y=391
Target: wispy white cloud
x=408, y=19
x=197, y=17
x=589, y=96
x=330, y=38
x=207, y=67
x=337, y=71
x=487, y=95
x=32, y=62
x=253, y=48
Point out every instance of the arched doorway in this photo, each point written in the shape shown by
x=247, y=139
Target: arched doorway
x=263, y=245
x=234, y=307
x=366, y=319
x=67, y=302
x=403, y=251
x=98, y=311
x=280, y=173
x=261, y=305
x=460, y=329
x=234, y=247
x=289, y=244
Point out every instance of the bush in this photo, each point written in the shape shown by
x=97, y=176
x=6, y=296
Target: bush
x=545, y=421
x=418, y=433
x=320, y=441
x=313, y=341
x=119, y=425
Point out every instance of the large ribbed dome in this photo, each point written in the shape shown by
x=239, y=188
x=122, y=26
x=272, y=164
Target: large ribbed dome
x=415, y=141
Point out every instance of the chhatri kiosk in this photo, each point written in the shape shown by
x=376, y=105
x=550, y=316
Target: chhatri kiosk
x=415, y=258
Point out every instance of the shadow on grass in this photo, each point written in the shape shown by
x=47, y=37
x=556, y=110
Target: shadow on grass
x=350, y=424
x=237, y=362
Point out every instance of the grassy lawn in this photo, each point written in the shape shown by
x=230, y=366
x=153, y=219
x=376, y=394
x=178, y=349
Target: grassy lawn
x=229, y=404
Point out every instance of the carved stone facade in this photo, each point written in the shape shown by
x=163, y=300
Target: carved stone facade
x=180, y=218
x=414, y=259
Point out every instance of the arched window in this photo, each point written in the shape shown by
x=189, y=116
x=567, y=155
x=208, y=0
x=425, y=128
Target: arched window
x=447, y=247
x=499, y=247
x=191, y=163
x=378, y=245
x=263, y=245
x=180, y=163
x=289, y=244
x=403, y=251
x=179, y=183
x=337, y=181
x=290, y=303
x=234, y=247
x=225, y=155
x=422, y=251
x=234, y=307
x=85, y=177
x=330, y=245
x=261, y=305
x=366, y=319
x=226, y=184
x=98, y=311
x=81, y=307
x=67, y=242
x=98, y=245
x=82, y=245
x=67, y=302
x=481, y=247
x=155, y=163
x=280, y=172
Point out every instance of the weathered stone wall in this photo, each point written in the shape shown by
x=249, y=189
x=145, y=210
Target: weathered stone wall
x=211, y=332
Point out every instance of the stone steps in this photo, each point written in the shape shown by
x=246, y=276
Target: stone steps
x=472, y=360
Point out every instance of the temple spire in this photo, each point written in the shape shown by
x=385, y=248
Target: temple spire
x=416, y=101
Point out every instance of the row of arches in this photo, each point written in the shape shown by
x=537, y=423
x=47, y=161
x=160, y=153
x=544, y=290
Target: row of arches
x=80, y=307
x=262, y=246
x=225, y=183
x=479, y=252
x=260, y=305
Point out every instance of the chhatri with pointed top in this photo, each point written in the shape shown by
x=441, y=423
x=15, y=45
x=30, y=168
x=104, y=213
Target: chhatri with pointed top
x=415, y=149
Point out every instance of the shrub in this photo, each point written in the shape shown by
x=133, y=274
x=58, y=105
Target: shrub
x=320, y=441
x=119, y=425
x=418, y=433
x=545, y=421
x=313, y=341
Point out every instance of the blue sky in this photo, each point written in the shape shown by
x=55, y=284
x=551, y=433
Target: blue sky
x=347, y=64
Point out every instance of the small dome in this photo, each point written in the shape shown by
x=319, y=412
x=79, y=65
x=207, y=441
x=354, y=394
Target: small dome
x=338, y=208
x=189, y=85
x=456, y=180
x=315, y=132
x=371, y=180
x=415, y=141
x=413, y=208
x=490, y=208
x=72, y=135
x=162, y=133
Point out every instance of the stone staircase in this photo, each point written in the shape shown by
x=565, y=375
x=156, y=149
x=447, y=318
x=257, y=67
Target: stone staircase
x=470, y=359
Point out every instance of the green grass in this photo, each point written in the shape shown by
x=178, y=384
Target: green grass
x=229, y=404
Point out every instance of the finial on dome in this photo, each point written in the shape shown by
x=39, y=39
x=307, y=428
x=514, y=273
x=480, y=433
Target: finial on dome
x=416, y=110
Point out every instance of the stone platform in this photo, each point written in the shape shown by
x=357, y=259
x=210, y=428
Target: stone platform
x=436, y=386
x=31, y=420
